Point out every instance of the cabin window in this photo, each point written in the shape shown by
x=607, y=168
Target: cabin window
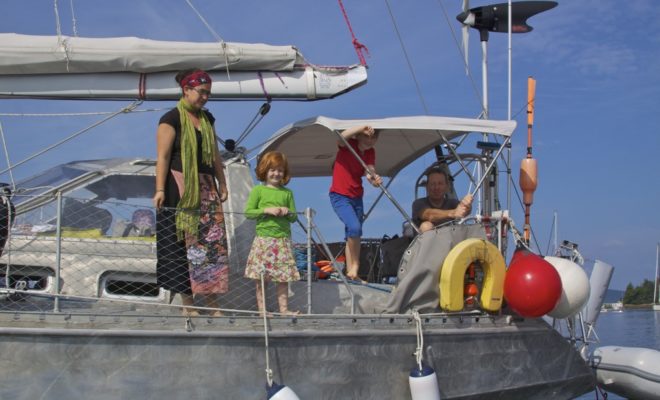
x=117, y=284
x=26, y=277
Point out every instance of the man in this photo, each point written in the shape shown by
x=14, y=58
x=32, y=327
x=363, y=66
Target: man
x=437, y=208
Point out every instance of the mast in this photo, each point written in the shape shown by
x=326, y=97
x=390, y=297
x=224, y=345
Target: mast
x=655, y=284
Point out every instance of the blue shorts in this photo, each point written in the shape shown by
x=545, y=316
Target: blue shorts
x=350, y=211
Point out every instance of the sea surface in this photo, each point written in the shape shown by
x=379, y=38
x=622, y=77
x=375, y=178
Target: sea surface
x=630, y=328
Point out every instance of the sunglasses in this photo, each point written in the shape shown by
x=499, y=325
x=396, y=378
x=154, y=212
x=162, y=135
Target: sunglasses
x=202, y=92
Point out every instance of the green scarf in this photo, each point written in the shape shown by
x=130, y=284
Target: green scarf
x=187, y=217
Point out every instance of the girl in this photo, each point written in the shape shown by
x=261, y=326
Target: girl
x=272, y=205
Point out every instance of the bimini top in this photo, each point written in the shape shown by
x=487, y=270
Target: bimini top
x=311, y=144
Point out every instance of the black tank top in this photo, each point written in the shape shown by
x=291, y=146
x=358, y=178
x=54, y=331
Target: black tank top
x=173, y=118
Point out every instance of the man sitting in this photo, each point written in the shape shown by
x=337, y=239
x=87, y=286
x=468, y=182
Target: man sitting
x=437, y=207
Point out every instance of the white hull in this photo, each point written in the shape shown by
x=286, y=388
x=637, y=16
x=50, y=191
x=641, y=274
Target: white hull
x=632, y=372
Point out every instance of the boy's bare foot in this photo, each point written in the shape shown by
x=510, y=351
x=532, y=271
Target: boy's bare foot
x=355, y=279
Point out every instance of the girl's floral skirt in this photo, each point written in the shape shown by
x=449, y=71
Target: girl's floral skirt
x=273, y=256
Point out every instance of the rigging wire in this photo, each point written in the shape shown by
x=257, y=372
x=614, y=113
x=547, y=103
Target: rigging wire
x=73, y=20
x=60, y=41
x=126, y=109
x=58, y=26
x=263, y=110
x=80, y=114
x=458, y=47
x=214, y=33
x=4, y=145
x=405, y=53
x=552, y=227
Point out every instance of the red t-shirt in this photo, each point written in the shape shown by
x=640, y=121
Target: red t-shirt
x=347, y=171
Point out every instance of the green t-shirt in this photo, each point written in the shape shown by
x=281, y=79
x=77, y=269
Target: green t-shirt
x=262, y=197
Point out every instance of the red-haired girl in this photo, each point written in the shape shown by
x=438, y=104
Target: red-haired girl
x=272, y=205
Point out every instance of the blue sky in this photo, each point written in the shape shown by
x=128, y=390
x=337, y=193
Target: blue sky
x=596, y=132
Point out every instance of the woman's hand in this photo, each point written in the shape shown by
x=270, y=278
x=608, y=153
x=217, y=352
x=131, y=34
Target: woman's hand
x=159, y=199
x=223, y=194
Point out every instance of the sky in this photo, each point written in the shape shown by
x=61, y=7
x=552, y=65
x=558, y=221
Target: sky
x=596, y=128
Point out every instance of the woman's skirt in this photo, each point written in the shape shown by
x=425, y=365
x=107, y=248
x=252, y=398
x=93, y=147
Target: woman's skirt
x=199, y=263
x=273, y=256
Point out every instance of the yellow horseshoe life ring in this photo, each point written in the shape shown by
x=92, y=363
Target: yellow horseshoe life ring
x=453, y=274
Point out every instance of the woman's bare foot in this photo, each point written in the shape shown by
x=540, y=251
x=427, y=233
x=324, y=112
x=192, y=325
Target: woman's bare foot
x=187, y=312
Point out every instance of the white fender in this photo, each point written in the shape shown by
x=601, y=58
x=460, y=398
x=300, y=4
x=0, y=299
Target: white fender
x=423, y=384
x=575, y=287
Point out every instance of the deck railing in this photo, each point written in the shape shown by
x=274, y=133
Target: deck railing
x=87, y=256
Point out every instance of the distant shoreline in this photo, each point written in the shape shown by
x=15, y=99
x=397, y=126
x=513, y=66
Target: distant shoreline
x=648, y=306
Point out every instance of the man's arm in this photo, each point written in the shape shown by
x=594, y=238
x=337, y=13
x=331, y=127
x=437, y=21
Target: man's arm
x=463, y=209
x=434, y=215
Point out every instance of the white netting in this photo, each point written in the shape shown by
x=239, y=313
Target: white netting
x=105, y=254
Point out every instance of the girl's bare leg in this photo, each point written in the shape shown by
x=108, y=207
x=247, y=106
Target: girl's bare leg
x=260, y=299
x=283, y=299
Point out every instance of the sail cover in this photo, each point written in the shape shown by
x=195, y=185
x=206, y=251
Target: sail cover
x=29, y=54
x=311, y=144
x=129, y=68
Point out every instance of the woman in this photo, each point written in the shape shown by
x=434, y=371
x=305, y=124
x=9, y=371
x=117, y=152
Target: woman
x=191, y=247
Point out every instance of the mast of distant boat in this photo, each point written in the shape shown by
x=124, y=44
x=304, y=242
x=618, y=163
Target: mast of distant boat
x=656, y=305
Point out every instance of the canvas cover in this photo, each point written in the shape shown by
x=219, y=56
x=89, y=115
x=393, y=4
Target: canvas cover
x=311, y=144
x=418, y=277
x=31, y=54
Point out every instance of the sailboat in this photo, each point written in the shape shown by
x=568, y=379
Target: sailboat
x=81, y=316
x=656, y=295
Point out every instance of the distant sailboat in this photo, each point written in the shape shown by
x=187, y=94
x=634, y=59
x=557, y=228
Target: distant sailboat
x=656, y=300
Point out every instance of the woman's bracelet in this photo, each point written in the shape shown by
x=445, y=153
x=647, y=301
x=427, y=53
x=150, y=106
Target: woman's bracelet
x=160, y=190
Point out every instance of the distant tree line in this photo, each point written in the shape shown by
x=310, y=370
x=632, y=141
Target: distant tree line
x=642, y=294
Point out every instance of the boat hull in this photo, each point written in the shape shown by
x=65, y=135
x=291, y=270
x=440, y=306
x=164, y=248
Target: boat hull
x=349, y=357
x=632, y=372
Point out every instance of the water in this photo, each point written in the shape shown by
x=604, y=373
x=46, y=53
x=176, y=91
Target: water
x=629, y=328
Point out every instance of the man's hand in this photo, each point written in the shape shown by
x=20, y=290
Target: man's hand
x=464, y=208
